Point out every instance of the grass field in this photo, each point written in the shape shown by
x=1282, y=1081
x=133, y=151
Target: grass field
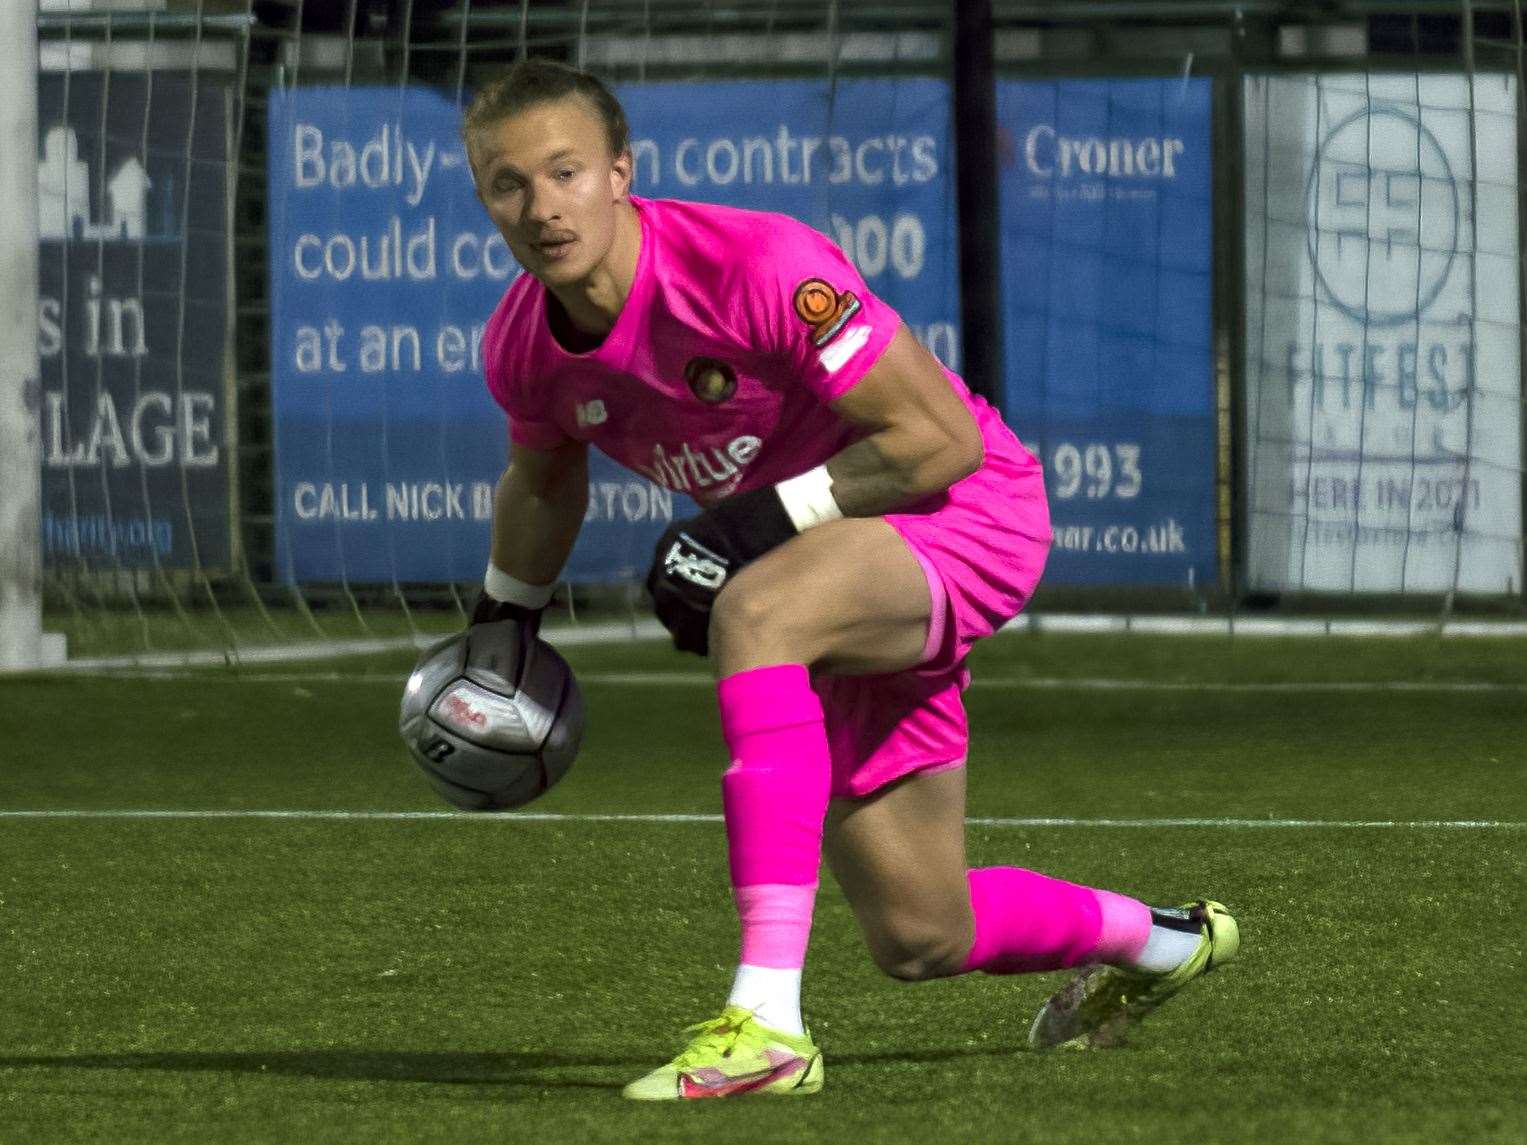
x=465, y=979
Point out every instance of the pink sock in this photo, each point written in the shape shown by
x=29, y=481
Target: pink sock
x=775, y=798
x=1026, y=921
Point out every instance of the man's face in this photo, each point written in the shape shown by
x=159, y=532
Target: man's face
x=551, y=187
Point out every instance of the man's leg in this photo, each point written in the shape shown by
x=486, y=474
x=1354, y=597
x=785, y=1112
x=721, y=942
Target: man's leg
x=848, y=597
x=845, y=597
x=852, y=598
x=899, y=856
x=848, y=594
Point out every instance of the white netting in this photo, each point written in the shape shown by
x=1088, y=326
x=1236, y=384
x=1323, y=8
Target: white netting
x=307, y=348
x=236, y=453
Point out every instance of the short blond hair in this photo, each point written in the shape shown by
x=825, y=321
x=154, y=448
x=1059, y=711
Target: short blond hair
x=534, y=81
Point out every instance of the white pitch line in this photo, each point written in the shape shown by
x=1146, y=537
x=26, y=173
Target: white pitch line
x=1034, y=683
x=559, y=817
x=1096, y=684
x=622, y=632
x=1299, y=686
x=646, y=628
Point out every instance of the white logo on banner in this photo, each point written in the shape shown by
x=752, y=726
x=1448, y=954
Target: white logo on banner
x=63, y=193
x=1382, y=195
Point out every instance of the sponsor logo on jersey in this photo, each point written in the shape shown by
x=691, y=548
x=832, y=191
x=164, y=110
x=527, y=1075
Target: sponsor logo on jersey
x=710, y=380
x=711, y=471
x=824, y=309
x=592, y=413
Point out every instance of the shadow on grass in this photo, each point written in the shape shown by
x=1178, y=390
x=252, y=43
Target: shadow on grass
x=438, y=1067
x=504, y=1068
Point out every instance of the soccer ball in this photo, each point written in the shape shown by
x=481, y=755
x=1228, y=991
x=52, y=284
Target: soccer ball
x=492, y=718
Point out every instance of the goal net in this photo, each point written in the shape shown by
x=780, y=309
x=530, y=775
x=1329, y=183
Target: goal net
x=266, y=277
x=1260, y=306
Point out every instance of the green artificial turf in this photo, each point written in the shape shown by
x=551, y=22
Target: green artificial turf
x=481, y=979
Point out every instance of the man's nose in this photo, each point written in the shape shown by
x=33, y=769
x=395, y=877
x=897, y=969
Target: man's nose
x=541, y=204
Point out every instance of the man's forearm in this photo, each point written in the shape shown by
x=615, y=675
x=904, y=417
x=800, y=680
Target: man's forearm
x=893, y=468
x=534, y=530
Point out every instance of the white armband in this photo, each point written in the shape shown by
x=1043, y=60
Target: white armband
x=808, y=499
x=511, y=590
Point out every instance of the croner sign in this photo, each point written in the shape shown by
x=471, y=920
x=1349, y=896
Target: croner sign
x=1047, y=153
x=1384, y=351
x=1106, y=271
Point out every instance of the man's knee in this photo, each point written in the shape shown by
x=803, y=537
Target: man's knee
x=753, y=609
x=916, y=952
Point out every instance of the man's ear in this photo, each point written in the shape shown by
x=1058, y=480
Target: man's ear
x=620, y=174
x=466, y=145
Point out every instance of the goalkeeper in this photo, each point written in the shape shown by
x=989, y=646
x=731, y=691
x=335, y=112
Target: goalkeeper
x=866, y=520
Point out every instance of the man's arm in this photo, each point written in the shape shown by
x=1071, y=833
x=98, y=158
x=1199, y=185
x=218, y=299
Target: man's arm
x=538, y=509
x=922, y=437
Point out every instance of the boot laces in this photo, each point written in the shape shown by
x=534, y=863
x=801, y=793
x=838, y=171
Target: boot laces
x=716, y=1037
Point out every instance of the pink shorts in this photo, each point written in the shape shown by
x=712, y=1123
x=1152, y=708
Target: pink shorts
x=982, y=545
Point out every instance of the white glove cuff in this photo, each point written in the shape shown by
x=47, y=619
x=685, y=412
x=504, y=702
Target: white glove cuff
x=511, y=590
x=808, y=499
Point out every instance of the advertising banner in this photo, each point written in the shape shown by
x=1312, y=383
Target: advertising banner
x=1107, y=234
x=385, y=268
x=132, y=319
x=1383, y=349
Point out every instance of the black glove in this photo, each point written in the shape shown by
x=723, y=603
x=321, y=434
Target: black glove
x=485, y=610
x=696, y=558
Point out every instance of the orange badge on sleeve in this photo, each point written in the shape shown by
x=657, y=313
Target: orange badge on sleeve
x=823, y=309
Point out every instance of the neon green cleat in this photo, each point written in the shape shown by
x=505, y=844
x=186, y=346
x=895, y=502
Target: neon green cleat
x=1097, y=1008
x=732, y=1055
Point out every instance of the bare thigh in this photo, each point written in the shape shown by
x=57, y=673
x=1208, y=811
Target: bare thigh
x=899, y=856
x=847, y=597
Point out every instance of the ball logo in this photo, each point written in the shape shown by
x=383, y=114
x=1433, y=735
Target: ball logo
x=824, y=309
x=710, y=380
x=437, y=749
x=461, y=713
x=1383, y=216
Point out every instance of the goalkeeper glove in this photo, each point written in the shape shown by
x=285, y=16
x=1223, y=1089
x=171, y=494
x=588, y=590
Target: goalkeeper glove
x=696, y=558
x=503, y=597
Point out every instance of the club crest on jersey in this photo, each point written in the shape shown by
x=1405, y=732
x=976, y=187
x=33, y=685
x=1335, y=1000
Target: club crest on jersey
x=591, y=414
x=824, y=309
x=710, y=380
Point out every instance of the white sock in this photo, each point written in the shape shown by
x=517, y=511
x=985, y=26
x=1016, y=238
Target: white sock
x=772, y=993
x=1165, y=950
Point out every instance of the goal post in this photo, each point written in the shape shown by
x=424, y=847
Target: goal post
x=20, y=448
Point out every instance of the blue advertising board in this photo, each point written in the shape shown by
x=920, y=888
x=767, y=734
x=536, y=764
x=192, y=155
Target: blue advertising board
x=384, y=269
x=132, y=320
x=1106, y=270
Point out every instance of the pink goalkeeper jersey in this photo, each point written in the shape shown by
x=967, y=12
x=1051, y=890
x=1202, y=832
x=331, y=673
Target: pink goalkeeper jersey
x=739, y=328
